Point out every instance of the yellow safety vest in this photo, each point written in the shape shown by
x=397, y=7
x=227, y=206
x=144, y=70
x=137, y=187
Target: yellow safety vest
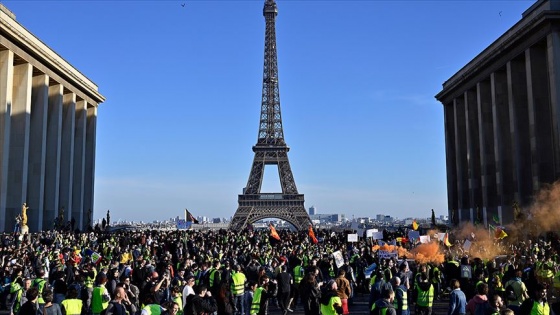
x=298, y=274
x=329, y=308
x=72, y=306
x=404, y=300
x=238, y=283
x=97, y=303
x=256, y=304
x=152, y=309
x=539, y=309
x=425, y=298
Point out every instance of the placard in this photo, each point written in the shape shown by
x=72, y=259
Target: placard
x=352, y=238
x=338, y=259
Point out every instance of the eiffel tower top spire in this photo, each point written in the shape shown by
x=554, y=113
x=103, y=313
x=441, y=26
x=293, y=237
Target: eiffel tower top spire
x=270, y=127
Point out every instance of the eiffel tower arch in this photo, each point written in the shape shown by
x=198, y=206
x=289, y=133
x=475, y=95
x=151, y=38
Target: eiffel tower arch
x=271, y=149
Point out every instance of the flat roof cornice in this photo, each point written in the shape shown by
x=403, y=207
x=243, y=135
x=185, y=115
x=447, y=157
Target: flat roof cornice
x=535, y=15
x=29, y=43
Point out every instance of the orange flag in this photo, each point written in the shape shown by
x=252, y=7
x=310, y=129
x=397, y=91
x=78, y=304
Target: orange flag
x=312, y=235
x=273, y=232
x=414, y=225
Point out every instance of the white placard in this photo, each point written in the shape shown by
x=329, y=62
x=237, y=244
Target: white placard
x=352, y=238
x=338, y=259
x=424, y=239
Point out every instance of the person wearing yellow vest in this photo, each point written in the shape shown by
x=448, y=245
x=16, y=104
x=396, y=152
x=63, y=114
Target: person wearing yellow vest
x=91, y=275
x=200, y=302
x=424, y=295
x=298, y=273
x=100, y=296
x=401, y=297
x=537, y=305
x=71, y=305
x=238, y=281
x=18, y=288
x=177, y=298
x=40, y=283
x=266, y=290
x=329, y=302
x=384, y=306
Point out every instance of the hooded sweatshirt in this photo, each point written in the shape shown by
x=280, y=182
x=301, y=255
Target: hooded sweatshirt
x=478, y=305
x=383, y=303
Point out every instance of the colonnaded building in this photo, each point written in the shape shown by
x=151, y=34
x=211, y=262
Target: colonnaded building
x=48, y=115
x=502, y=120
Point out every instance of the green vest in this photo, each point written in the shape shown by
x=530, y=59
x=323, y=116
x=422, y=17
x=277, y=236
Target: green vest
x=404, y=300
x=152, y=309
x=97, y=303
x=40, y=285
x=238, y=283
x=256, y=304
x=298, y=274
x=72, y=306
x=539, y=309
x=425, y=298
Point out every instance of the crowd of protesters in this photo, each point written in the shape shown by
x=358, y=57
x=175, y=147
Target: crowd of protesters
x=149, y=272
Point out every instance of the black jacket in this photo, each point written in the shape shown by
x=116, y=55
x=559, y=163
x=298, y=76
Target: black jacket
x=197, y=305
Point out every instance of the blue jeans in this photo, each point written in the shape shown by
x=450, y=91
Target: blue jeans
x=239, y=307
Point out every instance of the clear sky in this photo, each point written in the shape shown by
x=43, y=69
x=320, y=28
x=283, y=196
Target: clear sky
x=183, y=87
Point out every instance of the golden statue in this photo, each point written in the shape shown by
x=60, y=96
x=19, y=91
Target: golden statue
x=24, y=208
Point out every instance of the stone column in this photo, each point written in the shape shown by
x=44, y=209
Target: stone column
x=553, y=67
x=519, y=129
x=19, y=143
x=6, y=82
x=450, y=156
x=540, y=122
x=502, y=144
x=79, y=164
x=67, y=153
x=487, y=158
x=89, y=173
x=473, y=153
x=52, y=165
x=461, y=151
x=37, y=150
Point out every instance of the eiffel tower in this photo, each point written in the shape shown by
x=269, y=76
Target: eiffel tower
x=271, y=149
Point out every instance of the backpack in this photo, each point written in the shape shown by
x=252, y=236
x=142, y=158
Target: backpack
x=510, y=292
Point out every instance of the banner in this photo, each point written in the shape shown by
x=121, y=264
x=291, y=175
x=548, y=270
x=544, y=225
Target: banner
x=338, y=259
x=386, y=254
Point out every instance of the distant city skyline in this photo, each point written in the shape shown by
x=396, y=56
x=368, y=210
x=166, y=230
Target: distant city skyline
x=183, y=84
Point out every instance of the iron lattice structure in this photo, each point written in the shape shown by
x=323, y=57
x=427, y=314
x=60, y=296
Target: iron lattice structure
x=271, y=149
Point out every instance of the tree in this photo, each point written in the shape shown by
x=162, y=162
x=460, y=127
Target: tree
x=433, y=218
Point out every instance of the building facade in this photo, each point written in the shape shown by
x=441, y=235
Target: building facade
x=48, y=117
x=502, y=120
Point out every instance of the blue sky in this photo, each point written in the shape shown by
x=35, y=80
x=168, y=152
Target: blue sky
x=183, y=88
